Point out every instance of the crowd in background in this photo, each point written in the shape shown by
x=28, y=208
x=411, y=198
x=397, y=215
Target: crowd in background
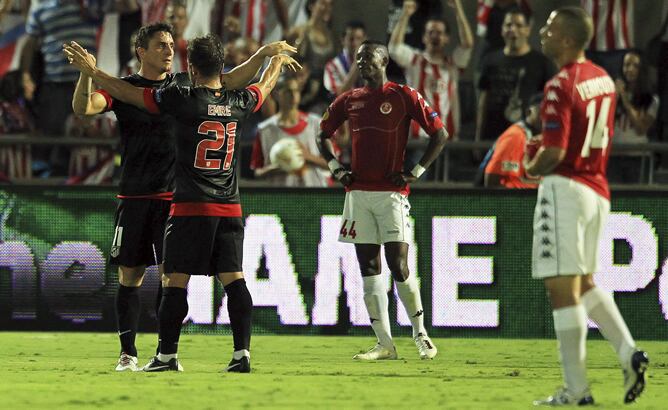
x=37, y=82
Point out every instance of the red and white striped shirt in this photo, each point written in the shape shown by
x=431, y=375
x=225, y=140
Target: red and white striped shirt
x=436, y=82
x=613, y=24
x=336, y=71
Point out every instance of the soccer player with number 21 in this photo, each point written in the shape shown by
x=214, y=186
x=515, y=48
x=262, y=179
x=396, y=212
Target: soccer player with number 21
x=376, y=205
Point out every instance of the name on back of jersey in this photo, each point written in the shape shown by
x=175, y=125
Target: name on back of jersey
x=219, y=110
x=594, y=87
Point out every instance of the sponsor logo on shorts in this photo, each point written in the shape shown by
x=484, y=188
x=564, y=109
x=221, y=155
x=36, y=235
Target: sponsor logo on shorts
x=115, y=251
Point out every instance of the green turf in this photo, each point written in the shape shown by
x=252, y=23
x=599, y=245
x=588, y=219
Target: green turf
x=75, y=370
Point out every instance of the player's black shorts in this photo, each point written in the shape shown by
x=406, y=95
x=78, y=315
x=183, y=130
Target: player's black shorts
x=203, y=245
x=139, y=232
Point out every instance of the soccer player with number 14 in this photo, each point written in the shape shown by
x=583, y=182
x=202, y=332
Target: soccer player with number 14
x=572, y=207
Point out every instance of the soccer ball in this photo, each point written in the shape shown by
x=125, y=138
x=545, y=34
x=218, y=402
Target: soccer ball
x=287, y=154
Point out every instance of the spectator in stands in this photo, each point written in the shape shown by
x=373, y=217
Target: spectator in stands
x=637, y=108
x=505, y=168
x=432, y=72
x=316, y=44
x=414, y=29
x=15, y=117
x=178, y=17
x=341, y=72
x=490, y=16
x=50, y=24
x=290, y=122
x=613, y=32
x=263, y=20
x=91, y=164
x=510, y=77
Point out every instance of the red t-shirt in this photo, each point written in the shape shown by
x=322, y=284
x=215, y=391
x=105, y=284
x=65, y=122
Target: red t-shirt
x=379, y=122
x=578, y=113
x=507, y=158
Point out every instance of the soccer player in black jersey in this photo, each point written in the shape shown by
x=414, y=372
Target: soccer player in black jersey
x=147, y=168
x=204, y=234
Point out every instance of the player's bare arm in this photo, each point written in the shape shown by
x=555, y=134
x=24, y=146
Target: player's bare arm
x=399, y=31
x=463, y=27
x=326, y=148
x=273, y=71
x=437, y=141
x=85, y=101
x=240, y=76
x=118, y=88
x=545, y=161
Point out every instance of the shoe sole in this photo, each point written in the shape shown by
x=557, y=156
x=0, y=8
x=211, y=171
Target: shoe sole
x=636, y=390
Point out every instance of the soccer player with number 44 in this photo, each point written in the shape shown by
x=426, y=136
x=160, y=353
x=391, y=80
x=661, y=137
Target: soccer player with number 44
x=376, y=205
x=573, y=204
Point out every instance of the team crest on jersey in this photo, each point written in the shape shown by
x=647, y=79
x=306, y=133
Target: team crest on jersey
x=386, y=108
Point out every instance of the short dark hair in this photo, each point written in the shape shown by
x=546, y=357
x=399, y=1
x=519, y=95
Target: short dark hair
x=580, y=25
x=207, y=54
x=524, y=11
x=440, y=19
x=354, y=25
x=145, y=33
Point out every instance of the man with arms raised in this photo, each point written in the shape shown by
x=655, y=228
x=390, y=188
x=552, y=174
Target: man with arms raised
x=147, y=178
x=573, y=205
x=376, y=206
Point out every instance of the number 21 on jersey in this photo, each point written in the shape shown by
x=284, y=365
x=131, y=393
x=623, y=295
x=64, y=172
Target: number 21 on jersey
x=219, y=131
x=597, y=127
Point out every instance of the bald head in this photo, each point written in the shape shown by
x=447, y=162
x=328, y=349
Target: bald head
x=576, y=24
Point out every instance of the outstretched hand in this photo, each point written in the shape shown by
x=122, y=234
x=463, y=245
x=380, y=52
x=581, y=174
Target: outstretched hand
x=401, y=179
x=80, y=57
x=287, y=61
x=275, y=48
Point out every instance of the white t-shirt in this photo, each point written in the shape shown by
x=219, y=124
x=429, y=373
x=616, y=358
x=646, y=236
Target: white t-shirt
x=306, y=131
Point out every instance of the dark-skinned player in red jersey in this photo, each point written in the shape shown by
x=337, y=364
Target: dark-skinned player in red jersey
x=204, y=233
x=147, y=168
x=376, y=209
x=572, y=207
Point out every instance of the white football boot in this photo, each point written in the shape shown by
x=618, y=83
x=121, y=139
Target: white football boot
x=127, y=362
x=425, y=346
x=379, y=352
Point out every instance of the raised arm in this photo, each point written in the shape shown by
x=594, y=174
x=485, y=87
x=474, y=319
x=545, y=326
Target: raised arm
x=273, y=71
x=243, y=74
x=399, y=31
x=84, y=100
x=118, y=88
x=463, y=27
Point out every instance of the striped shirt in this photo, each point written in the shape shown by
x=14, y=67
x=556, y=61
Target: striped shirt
x=613, y=24
x=336, y=71
x=56, y=22
x=436, y=82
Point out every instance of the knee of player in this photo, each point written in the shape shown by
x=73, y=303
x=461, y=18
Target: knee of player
x=131, y=276
x=399, y=270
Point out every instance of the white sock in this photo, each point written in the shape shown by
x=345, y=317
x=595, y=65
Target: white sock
x=238, y=354
x=409, y=293
x=602, y=309
x=570, y=325
x=375, y=298
x=166, y=357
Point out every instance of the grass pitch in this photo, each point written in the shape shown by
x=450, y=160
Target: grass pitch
x=76, y=370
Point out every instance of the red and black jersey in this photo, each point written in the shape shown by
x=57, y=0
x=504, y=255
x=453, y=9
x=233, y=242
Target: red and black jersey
x=147, y=142
x=208, y=122
x=379, y=120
